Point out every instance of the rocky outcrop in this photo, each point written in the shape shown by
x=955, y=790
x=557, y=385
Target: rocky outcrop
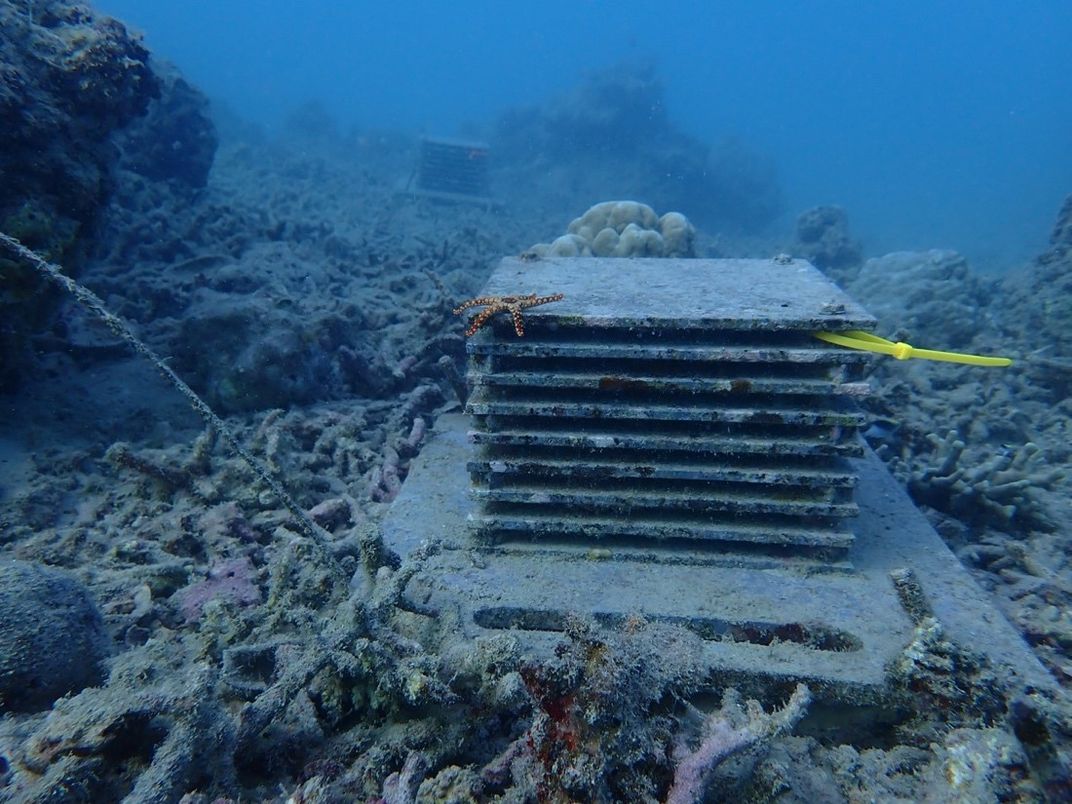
x=69, y=78
x=611, y=137
x=176, y=140
x=1039, y=298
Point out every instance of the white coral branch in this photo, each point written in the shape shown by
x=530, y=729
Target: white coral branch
x=726, y=732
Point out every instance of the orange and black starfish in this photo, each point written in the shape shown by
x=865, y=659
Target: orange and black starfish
x=503, y=304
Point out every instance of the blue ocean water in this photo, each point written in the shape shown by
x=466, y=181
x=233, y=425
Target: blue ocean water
x=935, y=124
x=659, y=446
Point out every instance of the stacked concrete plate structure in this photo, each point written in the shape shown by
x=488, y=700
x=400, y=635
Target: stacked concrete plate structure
x=453, y=170
x=657, y=403
x=669, y=440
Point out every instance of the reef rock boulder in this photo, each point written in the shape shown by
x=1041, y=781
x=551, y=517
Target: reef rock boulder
x=823, y=239
x=1061, y=239
x=932, y=295
x=52, y=637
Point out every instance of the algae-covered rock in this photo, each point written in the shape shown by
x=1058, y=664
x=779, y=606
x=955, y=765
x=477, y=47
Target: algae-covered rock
x=980, y=765
x=52, y=637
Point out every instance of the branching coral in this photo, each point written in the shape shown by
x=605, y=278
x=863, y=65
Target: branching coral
x=1002, y=491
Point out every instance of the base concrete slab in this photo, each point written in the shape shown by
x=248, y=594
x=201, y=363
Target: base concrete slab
x=763, y=618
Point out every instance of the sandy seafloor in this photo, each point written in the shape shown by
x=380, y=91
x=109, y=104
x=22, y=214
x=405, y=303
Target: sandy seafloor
x=311, y=304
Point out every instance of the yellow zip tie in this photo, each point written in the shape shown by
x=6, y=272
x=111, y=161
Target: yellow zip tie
x=857, y=339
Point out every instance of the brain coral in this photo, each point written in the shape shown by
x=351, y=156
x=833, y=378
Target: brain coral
x=623, y=229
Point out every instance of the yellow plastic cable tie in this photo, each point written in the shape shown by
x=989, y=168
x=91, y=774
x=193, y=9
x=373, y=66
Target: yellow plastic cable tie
x=857, y=339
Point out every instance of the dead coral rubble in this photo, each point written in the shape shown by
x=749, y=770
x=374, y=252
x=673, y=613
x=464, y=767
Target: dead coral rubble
x=147, y=735
x=965, y=736
x=606, y=726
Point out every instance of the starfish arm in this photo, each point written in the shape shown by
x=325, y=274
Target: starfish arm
x=547, y=299
x=480, y=319
x=478, y=302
